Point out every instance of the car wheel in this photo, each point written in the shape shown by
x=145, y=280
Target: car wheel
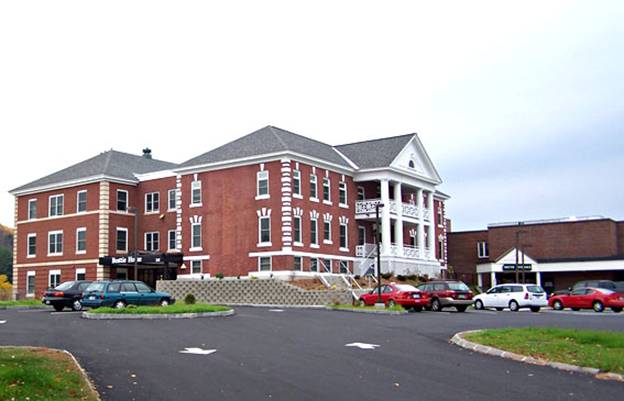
x=535, y=308
x=436, y=306
x=58, y=307
x=557, y=305
x=76, y=306
x=361, y=302
x=461, y=308
x=479, y=304
x=500, y=309
x=616, y=309
x=391, y=303
x=119, y=305
x=598, y=306
x=164, y=302
x=513, y=306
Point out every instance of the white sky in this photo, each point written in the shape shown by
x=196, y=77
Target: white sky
x=520, y=106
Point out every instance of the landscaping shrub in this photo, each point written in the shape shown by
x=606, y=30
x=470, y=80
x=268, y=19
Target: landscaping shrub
x=401, y=277
x=413, y=277
x=357, y=277
x=386, y=276
x=189, y=299
x=219, y=275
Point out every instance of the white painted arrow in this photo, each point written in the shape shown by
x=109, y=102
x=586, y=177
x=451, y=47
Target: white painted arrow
x=2, y=321
x=198, y=351
x=276, y=310
x=362, y=345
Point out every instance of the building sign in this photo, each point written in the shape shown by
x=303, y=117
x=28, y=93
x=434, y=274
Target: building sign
x=512, y=267
x=158, y=259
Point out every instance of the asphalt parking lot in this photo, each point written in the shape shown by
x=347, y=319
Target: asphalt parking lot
x=301, y=354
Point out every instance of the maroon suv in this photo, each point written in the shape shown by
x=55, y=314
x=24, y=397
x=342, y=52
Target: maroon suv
x=445, y=293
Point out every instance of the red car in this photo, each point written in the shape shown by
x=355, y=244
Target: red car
x=405, y=295
x=589, y=298
x=445, y=293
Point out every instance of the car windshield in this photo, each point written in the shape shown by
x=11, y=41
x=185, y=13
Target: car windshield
x=95, y=287
x=458, y=287
x=405, y=287
x=535, y=289
x=64, y=286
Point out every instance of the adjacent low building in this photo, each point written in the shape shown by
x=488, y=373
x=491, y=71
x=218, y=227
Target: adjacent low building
x=553, y=253
x=270, y=203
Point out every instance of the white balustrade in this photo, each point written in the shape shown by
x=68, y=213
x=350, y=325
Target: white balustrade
x=427, y=214
x=410, y=210
x=366, y=206
x=408, y=251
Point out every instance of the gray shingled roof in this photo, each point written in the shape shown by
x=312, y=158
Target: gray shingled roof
x=111, y=163
x=375, y=153
x=268, y=140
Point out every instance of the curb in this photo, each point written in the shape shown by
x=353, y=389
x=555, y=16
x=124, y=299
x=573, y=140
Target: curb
x=153, y=316
x=276, y=306
x=371, y=311
x=458, y=339
x=23, y=307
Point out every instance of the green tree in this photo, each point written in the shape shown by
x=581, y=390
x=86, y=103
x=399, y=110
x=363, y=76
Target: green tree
x=6, y=262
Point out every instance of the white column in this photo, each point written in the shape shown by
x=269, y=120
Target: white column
x=420, y=230
x=492, y=279
x=538, y=278
x=398, y=223
x=479, y=280
x=385, y=217
x=431, y=233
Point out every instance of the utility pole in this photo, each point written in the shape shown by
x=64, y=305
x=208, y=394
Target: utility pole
x=518, y=233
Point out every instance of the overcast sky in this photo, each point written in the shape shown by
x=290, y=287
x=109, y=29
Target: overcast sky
x=520, y=106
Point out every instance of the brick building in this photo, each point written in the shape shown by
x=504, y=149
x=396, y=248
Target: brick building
x=556, y=253
x=271, y=202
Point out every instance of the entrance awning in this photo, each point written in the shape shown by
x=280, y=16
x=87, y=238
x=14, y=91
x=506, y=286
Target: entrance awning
x=149, y=259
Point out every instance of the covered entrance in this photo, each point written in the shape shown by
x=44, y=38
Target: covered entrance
x=150, y=267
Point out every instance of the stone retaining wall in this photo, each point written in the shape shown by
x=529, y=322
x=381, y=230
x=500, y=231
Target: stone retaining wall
x=247, y=291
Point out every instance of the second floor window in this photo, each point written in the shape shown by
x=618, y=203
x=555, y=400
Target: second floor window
x=314, y=231
x=152, y=202
x=265, y=230
x=152, y=241
x=32, y=245
x=327, y=231
x=81, y=240
x=196, y=235
x=82, y=201
x=326, y=192
x=343, y=236
x=171, y=236
x=361, y=193
x=171, y=199
x=196, y=198
x=122, y=240
x=55, y=243
x=56, y=205
x=32, y=209
x=262, y=183
x=482, y=249
x=313, y=187
x=297, y=182
x=122, y=200
x=297, y=229
x=342, y=193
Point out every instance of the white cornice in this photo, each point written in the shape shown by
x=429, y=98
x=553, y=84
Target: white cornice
x=72, y=183
x=155, y=175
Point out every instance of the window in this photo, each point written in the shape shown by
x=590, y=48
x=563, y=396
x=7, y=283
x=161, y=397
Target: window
x=344, y=267
x=30, y=283
x=152, y=241
x=262, y=184
x=264, y=225
x=326, y=192
x=343, y=236
x=440, y=222
x=55, y=243
x=196, y=198
x=314, y=265
x=81, y=274
x=361, y=235
x=297, y=230
x=127, y=287
x=54, y=278
x=122, y=200
x=264, y=263
x=56, y=205
x=152, y=202
x=342, y=193
x=296, y=182
x=142, y=287
x=32, y=245
x=327, y=267
x=171, y=199
x=122, y=240
x=196, y=239
x=121, y=273
x=314, y=231
x=482, y=249
x=32, y=209
x=361, y=193
x=81, y=240
x=327, y=232
x=81, y=199
x=313, y=187
x=440, y=248
x=297, y=263
x=196, y=266
x=411, y=164
x=171, y=236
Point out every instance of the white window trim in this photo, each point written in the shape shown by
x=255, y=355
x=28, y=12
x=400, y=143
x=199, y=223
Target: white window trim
x=28, y=211
x=315, y=181
x=360, y=227
x=80, y=270
x=84, y=191
x=81, y=229
x=175, y=193
x=317, y=265
x=343, y=205
x=346, y=226
x=326, y=201
x=29, y=274
x=50, y=205
x=300, y=263
x=270, y=263
x=28, y=237
x=117, y=229
x=145, y=240
x=327, y=241
x=53, y=273
x=198, y=184
x=363, y=192
x=268, y=194
x=156, y=210
x=56, y=232
x=169, y=239
x=482, y=255
x=117, y=201
x=200, y=247
x=297, y=195
x=314, y=244
x=260, y=243
x=340, y=263
x=201, y=267
x=295, y=242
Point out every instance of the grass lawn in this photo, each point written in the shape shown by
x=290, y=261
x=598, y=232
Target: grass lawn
x=175, y=308
x=590, y=348
x=21, y=302
x=41, y=374
x=396, y=308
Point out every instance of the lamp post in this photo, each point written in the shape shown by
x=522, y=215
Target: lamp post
x=377, y=207
x=136, y=240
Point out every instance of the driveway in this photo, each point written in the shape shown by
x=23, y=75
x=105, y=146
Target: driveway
x=298, y=354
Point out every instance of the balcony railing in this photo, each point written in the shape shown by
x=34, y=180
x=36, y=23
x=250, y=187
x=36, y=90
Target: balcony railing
x=411, y=252
x=367, y=206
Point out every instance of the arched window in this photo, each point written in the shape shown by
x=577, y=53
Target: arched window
x=411, y=164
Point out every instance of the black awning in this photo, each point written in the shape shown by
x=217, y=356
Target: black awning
x=156, y=259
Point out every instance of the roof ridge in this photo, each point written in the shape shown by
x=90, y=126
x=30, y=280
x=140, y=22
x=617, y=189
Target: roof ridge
x=301, y=136
x=280, y=140
x=109, y=156
x=378, y=139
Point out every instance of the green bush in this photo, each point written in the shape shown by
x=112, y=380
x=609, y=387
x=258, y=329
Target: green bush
x=386, y=276
x=189, y=299
x=401, y=277
x=357, y=277
x=219, y=275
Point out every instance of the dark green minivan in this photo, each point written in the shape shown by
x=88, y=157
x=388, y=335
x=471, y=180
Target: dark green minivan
x=120, y=293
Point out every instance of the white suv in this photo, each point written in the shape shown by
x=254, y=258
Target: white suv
x=512, y=296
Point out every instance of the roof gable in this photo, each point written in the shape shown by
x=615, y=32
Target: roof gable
x=377, y=153
x=509, y=258
x=413, y=158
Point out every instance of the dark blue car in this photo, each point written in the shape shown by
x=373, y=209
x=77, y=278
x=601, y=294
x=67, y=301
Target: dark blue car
x=120, y=293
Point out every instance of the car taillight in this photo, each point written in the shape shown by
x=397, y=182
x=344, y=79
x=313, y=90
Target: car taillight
x=526, y=295
x=58, y=294
x=101, y=296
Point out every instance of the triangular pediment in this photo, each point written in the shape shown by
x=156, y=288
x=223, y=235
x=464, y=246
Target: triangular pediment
x=414, y=159
x=509, y=258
